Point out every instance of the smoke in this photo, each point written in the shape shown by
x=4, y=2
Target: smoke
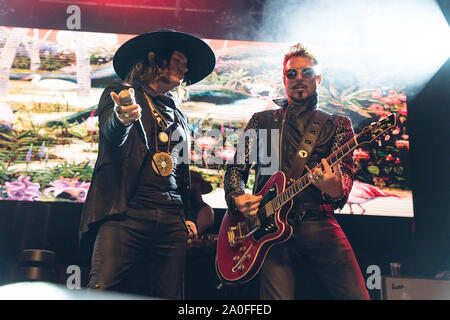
x=378, y=41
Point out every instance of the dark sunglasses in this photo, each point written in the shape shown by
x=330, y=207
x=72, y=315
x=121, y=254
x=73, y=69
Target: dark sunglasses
x=293, y=73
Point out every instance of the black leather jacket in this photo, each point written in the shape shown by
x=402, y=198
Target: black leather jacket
x=122, y=150
x=291, y=123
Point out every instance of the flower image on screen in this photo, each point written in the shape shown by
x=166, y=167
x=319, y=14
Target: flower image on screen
x=51, y=82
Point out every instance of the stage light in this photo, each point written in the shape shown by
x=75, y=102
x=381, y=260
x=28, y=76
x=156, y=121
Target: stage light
x=406, y=40
x=51, y=291
x=32, y=291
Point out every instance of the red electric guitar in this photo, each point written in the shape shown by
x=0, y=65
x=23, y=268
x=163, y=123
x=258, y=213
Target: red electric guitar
x=243, y=243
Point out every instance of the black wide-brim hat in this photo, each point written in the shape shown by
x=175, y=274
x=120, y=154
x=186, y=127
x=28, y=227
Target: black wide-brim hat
x=201, y=58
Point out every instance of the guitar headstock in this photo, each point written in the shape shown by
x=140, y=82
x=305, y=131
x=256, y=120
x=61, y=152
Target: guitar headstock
x=376, y=129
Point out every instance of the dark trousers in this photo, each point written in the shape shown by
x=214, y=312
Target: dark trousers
x=323, y=247
x=158, y=241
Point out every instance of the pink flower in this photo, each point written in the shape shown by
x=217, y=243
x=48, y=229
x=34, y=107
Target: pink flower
x=390, y=100
x=361, y=154
x=389, y=157
x=196, y=157
x=22, y=189
x=402, y=144
x=92, y=124
x=378, y=94
x=393, y=97
x=379, y=110
x=205, y=142
x=77, y=190
x=392, y=93
x=227, y=153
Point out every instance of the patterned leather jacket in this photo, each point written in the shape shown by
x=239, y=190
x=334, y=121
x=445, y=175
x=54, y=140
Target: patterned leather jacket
x=291, y=121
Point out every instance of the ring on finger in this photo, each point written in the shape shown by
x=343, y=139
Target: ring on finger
x=125, y=115
x=318, y=176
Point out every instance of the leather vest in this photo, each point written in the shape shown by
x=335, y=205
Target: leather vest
x=291, y=125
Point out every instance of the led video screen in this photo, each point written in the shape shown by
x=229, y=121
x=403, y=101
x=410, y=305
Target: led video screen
x=51, y=81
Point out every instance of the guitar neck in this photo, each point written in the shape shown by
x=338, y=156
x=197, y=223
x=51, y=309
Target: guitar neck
x=297, y=187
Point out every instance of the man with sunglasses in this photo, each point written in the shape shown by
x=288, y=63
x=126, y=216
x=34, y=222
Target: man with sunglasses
x=318, y=244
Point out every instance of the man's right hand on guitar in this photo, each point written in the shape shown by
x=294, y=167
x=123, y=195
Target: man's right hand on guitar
x=248, y=204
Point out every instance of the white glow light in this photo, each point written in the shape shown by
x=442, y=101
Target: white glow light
x=405, y=39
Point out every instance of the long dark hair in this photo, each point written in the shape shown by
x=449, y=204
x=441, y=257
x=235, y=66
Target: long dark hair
x=152, y=67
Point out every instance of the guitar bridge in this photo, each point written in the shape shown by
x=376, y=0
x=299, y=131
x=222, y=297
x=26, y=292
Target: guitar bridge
x=237, y=234
x=232, y=237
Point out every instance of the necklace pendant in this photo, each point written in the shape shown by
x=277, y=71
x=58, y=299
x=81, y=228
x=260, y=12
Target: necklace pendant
x=162, y=164
x=163, y=137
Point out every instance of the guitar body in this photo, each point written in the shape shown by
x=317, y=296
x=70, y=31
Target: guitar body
x=239, y=259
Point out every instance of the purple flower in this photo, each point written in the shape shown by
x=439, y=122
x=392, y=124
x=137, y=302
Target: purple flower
x=42, y=152
x=22, y=189
x=29, y=153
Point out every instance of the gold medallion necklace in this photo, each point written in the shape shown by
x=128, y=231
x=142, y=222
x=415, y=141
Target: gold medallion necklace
x=162, y=162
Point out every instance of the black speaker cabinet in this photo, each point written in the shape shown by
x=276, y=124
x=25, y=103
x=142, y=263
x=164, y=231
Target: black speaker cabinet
x=405, y=288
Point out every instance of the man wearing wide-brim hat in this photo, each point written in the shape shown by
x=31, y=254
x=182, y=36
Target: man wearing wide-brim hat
x=137, y=207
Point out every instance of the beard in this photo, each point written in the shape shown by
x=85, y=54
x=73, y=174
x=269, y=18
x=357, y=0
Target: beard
x=301, y=92
x=299, y=99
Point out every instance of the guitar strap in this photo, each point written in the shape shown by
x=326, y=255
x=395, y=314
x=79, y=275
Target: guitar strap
x=308, y=142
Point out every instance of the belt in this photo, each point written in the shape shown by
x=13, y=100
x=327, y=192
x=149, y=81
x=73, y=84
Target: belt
x=310, y=211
